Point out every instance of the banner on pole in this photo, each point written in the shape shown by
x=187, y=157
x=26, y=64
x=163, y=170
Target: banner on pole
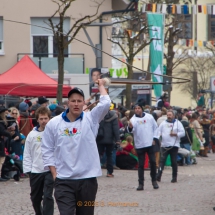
x=156, y=26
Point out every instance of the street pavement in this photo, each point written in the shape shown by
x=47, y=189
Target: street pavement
x=194, y=194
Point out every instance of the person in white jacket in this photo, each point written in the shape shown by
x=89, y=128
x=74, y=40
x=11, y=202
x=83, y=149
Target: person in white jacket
x=41, y=181
x=144, y=128
x=171, y=131
x=69, y=150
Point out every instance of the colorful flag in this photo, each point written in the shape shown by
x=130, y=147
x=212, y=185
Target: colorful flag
x=156, y=49
x=178, y=6
x=158, y=8
x=199, y=8
x=164, y=8
x=173, y=9
x=204, y=9
x=153, y=8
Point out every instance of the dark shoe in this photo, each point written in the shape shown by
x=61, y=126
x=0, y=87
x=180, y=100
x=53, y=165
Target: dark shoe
x=155, y=185
x=174, y=180
x=6, y=177
x=115, y=167
x=3, y=180
x=110, y=175
x=140, y=187
x=214, y=208
x=158, y=177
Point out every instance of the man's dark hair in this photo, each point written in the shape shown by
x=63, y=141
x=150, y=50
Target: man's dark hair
x=95, y=70
x=42, y=111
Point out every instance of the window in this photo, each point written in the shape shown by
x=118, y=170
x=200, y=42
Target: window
x=1, y=36
x=44, y=43
x=211, y=27
x=185, y=23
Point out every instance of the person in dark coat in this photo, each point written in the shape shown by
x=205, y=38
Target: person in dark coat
x=108, y=135
x=4, y=132
x=187, y=140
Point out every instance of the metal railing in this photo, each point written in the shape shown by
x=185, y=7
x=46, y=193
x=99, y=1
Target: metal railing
x=73, y=63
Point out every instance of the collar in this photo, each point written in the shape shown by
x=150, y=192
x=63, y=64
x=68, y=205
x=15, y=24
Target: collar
x=65, y=118
x=143, y=114
x=173, y=121
x=37, y=128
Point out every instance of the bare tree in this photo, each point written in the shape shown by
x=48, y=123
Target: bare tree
x=204, y=68
x=65, y=38
x=135, y=39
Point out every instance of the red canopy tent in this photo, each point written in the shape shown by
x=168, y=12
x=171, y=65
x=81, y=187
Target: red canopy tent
x=26, y=79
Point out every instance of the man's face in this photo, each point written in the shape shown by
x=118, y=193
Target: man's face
x=95, y=76
x=76, y=104
x=43, y=120
x=138, y=110
x=170, y=116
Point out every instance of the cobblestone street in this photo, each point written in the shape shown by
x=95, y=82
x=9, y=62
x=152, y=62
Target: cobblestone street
x=194, y=194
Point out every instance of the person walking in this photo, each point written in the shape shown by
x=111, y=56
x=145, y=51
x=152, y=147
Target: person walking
x=69, y=150
x=143, y=127
x=108, y=136
x=171, y=132
x=41, y=181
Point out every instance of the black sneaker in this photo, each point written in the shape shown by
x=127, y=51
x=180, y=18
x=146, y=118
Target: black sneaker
x=174, y=180
x=155, y=185
x=6, y=177
x=3, y=180
x=140, y=187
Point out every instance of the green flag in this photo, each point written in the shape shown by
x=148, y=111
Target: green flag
x=156, y=26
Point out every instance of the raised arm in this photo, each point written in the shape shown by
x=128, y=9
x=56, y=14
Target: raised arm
x=99, y=112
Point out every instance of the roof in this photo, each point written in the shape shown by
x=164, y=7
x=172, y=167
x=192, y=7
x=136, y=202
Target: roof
x=26, y=79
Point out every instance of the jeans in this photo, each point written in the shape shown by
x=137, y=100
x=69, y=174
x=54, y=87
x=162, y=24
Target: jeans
x=141, y=159
x=172, y=151
x=188, y=147
x=104, y=158
x=108, y=149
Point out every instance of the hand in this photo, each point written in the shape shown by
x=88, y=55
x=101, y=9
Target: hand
x=100, y=82
x=12, y=133
x=153, y=142
x=16, y=138
x=130, y=124
x=54, y=176
x=173, y=134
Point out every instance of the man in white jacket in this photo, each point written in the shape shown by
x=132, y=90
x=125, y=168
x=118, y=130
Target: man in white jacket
x=41, y=180
x=171, y=131
x=69, y=150
x=144, y=128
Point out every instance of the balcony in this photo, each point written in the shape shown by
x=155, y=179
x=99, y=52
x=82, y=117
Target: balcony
x=73, y=64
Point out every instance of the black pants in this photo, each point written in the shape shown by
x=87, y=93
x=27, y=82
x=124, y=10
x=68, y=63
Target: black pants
x=172, y=151
x=125, y=162
x=42, y=189
x=108, y=149
x=141, y=159
x=76, y=195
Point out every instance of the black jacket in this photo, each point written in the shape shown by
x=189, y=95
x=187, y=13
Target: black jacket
x=108, y=132
x=188, y=133
x=3, y=133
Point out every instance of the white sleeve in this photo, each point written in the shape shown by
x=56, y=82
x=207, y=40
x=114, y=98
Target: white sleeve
x=48, y=147
x=155, y=127
x=181, y=131
x=27, y=157
x=98, y=113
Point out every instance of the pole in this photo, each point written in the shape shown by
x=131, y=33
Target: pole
x=195, y=39
x=212, y=98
